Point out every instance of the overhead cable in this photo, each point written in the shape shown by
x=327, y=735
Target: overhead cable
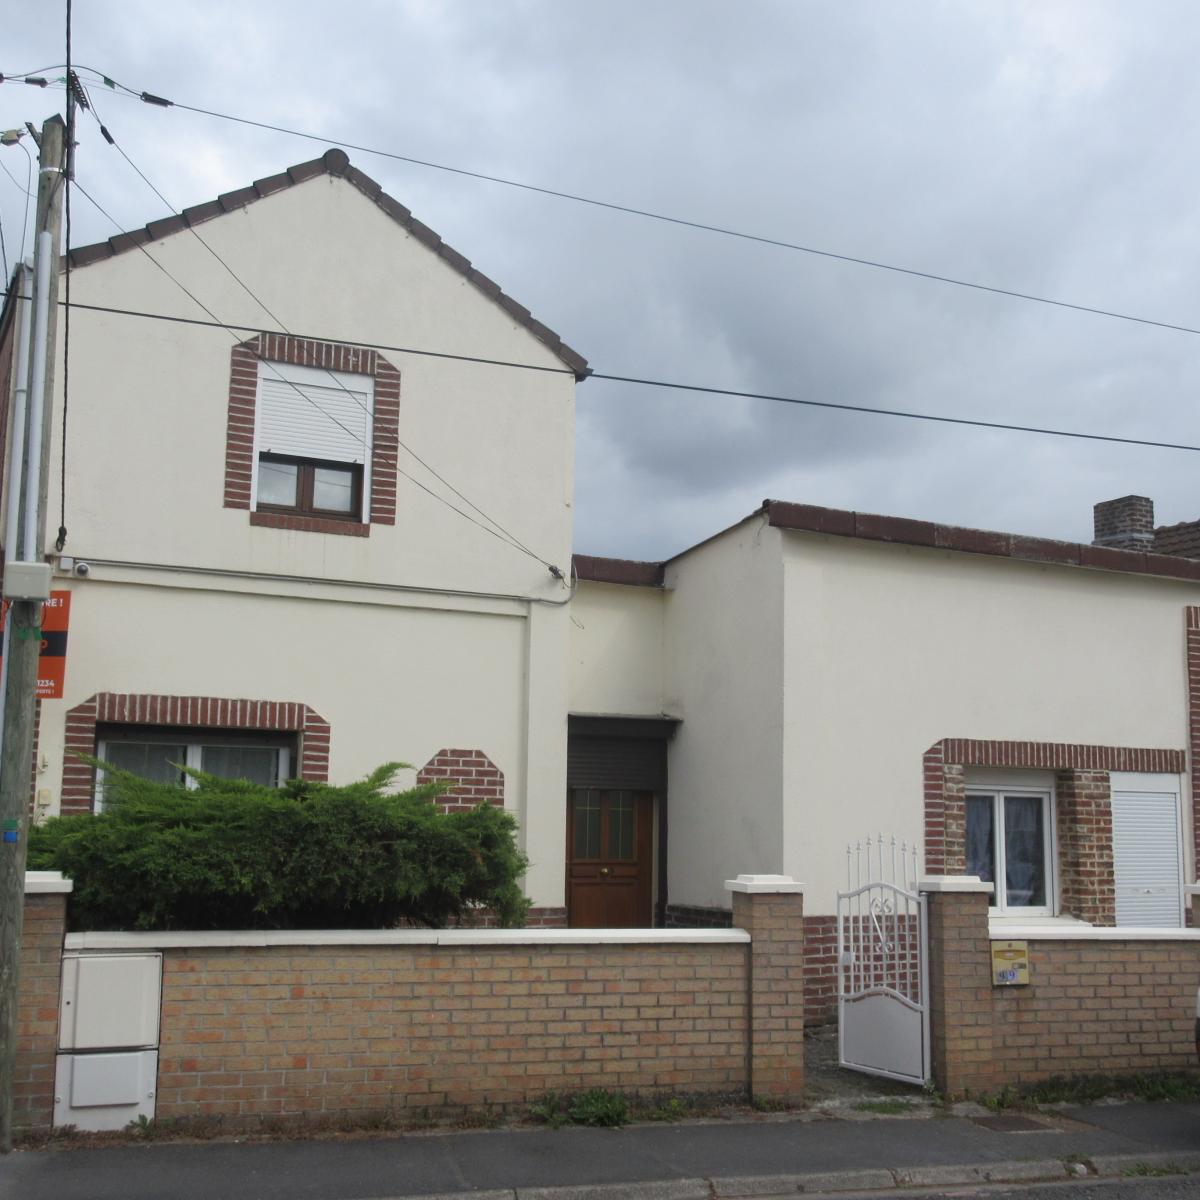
x=673, y=385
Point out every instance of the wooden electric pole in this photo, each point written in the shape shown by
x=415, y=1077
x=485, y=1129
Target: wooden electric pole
x=25, y=615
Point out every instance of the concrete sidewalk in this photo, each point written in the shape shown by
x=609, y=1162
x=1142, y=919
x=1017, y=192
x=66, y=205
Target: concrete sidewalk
x=768, y=1157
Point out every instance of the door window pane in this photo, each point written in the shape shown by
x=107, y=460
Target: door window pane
x=981, y=841
x=587, y=825
x=160, y=762
x=1024, y=851
x=333, y=489
x=257, y=764
x=278, y=483
x=620, y=826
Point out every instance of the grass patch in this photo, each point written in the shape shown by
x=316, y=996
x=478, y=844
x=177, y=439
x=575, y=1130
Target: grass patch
x=1152, y=1170
x=1151, y=1086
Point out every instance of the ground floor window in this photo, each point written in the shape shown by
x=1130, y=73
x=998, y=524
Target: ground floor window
x=162, y=754
x=1008, y=844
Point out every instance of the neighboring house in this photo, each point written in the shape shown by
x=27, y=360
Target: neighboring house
x=269, y=592
x=1023, y=709
x=272, y=592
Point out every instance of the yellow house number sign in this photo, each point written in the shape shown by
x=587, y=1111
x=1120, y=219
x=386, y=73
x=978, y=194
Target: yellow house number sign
x=1010, y=963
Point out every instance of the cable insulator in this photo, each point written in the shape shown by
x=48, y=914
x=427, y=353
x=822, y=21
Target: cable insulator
x=161, y=101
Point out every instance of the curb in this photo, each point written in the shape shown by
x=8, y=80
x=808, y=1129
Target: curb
x=766, y=1187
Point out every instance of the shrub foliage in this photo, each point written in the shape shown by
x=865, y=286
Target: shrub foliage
x=236, y=855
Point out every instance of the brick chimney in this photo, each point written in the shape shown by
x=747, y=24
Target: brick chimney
x=1124, y=524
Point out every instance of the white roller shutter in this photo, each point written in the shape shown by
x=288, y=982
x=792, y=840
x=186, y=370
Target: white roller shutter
x=1146, y=856
x=310, y=413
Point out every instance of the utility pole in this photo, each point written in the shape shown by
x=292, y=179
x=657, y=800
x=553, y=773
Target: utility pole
x=26, y=584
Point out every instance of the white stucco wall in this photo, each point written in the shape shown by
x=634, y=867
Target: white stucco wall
x=724, y=678
x=398, y=677
x=616, y=649
x=149, y=401
x=892, y=648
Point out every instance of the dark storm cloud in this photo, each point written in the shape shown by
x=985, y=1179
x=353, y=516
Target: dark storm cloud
x=1040, y=147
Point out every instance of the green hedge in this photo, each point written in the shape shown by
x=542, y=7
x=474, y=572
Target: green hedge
x=236, y=855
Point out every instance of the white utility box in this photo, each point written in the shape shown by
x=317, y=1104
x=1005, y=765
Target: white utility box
x=110, y=1001
x=105, y=1091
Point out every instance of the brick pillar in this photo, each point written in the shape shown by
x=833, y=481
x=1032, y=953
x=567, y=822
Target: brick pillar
x=960, y=984
x=770, y=908
x=38, y=988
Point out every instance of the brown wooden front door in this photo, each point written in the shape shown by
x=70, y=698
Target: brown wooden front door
x=609, y=844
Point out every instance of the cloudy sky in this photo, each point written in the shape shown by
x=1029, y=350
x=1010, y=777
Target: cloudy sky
x=1046, y=147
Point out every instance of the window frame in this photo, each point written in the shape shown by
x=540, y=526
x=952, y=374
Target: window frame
x=194, y=740
x=305, y=479
x=996, y=789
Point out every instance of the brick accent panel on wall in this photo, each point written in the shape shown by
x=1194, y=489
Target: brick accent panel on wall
x=37, y=1010
x=477, y=780
x=200, y=712
x=1192, y=633
x=944, y=767
x=322, y=1029
x=243, y=397
x=1086, y=873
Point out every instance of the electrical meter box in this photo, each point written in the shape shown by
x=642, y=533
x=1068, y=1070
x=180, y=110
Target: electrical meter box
x=110, y=1001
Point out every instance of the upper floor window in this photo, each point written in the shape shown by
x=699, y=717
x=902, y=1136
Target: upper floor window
x=313, y=435
x=313, y=441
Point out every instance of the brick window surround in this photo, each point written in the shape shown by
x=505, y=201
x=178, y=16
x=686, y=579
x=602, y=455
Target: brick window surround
x=1084, y=809
x=476, y=779
x=332, y=356
x=200, y=712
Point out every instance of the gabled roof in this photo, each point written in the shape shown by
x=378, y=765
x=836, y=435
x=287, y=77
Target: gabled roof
x=334, y=162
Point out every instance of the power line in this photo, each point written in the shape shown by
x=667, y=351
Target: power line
x=25, y=189
x=666, y=218
x=674, y=385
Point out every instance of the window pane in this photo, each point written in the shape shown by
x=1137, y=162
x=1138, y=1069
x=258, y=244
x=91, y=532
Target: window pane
x=258, y=764
x=981, y=849
x=333, y=489
x=1024, y=851
x=157, y=761
x=587, y=825
x=620, y=826
x=278, y=482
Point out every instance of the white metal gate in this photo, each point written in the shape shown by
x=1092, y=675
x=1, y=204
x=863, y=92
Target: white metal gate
x=883, y=971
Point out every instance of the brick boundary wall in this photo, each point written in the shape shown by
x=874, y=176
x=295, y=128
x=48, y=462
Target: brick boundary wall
x=1093, y=1006
x=306, y=1030
x=477, y=779
x=199, y=712
x=1081, y=779
x=38, y=989
x=243, y=400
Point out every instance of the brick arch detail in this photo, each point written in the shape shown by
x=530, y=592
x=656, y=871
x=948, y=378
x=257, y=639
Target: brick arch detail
x=199, y=712
x=1084, y=816
x=332, y=356
x=476, y=779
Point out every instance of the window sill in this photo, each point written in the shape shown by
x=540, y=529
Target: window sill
x=270, y=520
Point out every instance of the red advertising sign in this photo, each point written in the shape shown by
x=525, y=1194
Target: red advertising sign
x=52, y=661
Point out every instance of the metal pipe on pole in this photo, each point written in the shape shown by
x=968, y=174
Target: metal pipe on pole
x=25, y=615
